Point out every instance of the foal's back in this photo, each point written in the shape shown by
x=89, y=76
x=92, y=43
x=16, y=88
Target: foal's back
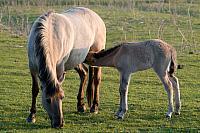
x=143, y=55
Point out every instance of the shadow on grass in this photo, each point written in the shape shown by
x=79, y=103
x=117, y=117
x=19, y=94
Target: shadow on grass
x=9, y=125
x=84, y=118
x=17, y=121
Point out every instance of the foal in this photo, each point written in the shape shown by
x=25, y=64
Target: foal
x=131, y=57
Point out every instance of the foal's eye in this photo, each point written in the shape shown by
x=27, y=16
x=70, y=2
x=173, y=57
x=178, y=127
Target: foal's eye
x=48, y=100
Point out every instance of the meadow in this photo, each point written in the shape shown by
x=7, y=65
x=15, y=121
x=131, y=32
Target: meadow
x=176, y=22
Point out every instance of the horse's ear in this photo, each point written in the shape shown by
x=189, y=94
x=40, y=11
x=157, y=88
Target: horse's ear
x=49, y=12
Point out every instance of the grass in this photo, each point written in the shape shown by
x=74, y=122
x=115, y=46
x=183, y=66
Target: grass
x=147, y=98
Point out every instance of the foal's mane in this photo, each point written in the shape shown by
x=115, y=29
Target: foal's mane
x=106, y=52
x=43, y=53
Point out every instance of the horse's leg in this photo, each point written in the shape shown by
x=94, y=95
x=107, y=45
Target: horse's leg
x=35, y=90
x=175, y=84
x=123, y=89
x=90, y=87
x=169, y=89
x=82, y=71
x=97, y=81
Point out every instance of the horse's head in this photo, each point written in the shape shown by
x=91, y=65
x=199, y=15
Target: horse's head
x=53, y=105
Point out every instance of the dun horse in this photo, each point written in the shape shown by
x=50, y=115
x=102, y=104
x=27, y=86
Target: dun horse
x=131, y=57
x=57, y=43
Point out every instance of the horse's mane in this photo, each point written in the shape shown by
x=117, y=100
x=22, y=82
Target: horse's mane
x=42, y=54
x=106, y=52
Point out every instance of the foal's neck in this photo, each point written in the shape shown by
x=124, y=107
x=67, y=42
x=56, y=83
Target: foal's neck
x=107, y=57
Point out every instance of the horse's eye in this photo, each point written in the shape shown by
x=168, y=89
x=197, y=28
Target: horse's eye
x=48, y=101
x=62, y=97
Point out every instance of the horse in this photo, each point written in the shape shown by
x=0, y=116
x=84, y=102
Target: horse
x=59, y=42
x=131, y=57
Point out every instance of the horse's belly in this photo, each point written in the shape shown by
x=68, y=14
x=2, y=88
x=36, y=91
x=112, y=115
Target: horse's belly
x=76, y=57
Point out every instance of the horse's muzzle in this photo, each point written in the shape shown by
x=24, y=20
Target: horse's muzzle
x=57, y=124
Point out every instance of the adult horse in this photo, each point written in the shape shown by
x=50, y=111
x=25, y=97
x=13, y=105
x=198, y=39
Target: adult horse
x=57, y=43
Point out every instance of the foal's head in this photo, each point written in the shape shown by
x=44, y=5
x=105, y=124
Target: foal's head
x=90, y=58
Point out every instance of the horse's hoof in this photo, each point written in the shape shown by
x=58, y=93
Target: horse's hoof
x=31, y=118
x=81, y=109
x=57, y=126
x=94, y=109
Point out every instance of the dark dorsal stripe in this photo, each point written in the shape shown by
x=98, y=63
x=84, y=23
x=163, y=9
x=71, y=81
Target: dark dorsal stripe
x=106, y=52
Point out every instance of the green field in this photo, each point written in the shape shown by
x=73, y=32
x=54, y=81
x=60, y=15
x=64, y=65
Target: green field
x=176, y=22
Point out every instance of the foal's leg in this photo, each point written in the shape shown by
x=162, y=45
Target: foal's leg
x=175, y=84
x=123, y=89
x=169, y=89
x=82, y=71
x=120, y=103
x=97, y=81
x=35, y=90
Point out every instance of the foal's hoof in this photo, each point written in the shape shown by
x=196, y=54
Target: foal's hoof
x=31, y=118
x=81, y=109
x=117, y=113
x=177, y=113
x=120, y=117
x=94, y=109
x=169, y=116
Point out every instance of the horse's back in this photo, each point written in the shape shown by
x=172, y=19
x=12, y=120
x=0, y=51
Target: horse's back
x=68, y=36
x=89, y=34
x=88, y=27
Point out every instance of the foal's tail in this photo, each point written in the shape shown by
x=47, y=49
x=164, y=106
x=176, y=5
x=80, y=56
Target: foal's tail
x=173, y=64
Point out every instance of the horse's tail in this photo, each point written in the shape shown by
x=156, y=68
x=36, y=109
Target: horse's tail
x=46, y=72
x=173, y=64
